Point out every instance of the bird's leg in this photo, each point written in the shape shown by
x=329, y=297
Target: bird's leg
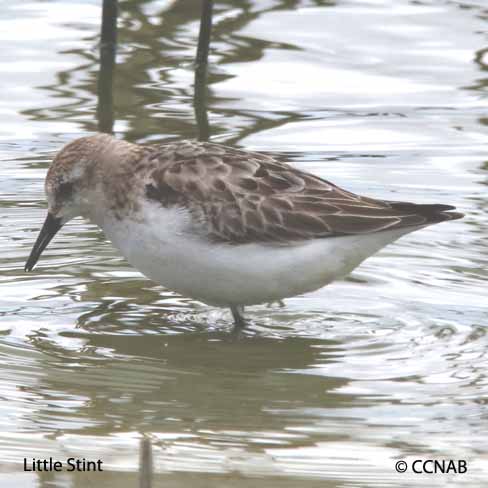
x=237, y=312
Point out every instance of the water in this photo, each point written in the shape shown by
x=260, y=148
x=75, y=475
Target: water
x=386, y=98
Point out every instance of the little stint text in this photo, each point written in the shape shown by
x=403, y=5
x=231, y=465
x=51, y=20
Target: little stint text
x=70, y=464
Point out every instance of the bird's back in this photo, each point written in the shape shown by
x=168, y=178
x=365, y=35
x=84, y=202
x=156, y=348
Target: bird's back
x=242, y=197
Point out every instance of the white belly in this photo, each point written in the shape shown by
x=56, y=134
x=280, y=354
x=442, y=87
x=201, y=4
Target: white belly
x=222, y=274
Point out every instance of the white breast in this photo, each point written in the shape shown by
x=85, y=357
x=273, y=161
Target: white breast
x=161, y=247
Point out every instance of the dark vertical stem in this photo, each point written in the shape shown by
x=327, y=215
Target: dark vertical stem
x=145, y=463
x=201, y=63
x=108, y=46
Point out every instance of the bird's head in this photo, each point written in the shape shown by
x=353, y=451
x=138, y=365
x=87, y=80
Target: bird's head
x=67, y=186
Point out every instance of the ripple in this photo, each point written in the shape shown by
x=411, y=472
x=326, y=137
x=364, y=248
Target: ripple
x=390, y=363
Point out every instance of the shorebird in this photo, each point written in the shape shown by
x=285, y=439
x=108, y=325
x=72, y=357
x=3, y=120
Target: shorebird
x=224, y=226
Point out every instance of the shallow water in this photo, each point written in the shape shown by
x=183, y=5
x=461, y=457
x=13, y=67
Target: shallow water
x=385, y=98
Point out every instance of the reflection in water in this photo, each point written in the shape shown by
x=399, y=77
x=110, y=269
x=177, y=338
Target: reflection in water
x=152, y=89
x=108, y=47
x=201, y=67
x=141, y=377
x=332, y=389
x=145, y=463
x=481, y=84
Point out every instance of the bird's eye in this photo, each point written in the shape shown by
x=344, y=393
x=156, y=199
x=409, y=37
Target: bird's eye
x=65, y=190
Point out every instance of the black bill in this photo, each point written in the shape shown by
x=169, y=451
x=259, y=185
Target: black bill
x=48, y=231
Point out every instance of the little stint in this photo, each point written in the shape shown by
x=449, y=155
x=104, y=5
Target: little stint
x=224, y=226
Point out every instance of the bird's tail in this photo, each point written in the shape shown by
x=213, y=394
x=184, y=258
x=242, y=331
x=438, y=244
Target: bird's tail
x=433, y=213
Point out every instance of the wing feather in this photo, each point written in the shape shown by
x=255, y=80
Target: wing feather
x=239, y=197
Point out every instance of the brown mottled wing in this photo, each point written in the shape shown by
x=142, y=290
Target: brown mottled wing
x=239, y=197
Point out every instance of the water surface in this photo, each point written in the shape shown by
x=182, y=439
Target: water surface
x=385, y=98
